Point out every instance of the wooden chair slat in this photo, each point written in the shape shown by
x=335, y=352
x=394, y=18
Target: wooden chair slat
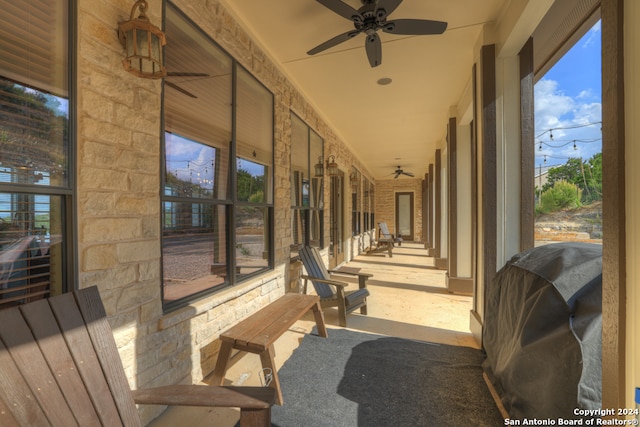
x=54, y=349
x=99, y=330
x=32, y=366
x=6, y=417
x=16, y=395
x=75, y=333
x=202, y=395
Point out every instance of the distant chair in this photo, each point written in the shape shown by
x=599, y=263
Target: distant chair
x=330, y=291
x=387, y=236
x=385, y=241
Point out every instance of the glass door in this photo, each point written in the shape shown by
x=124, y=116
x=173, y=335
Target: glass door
x=404, y=216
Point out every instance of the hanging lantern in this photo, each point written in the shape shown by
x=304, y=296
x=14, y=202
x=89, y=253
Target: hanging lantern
x=332, y=166
x=319, y=167
x=143, y=44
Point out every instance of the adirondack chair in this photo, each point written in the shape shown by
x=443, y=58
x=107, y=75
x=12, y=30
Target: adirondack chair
x=331, y=291
x=59, y=366
x=385, y=235
x=385, y=241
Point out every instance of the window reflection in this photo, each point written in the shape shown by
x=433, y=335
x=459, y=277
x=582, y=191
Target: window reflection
x=194, y=248
x=30, y=244
x=251, y=181
x=192, y=169
x=252, y=239
x=34, y=129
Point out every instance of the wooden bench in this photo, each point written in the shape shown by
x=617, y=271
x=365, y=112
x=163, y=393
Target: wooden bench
x=60, y=367
x=257, y=333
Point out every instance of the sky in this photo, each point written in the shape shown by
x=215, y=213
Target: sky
x=568, y=104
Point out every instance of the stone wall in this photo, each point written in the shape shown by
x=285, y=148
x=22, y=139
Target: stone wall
x=385, y=203
x=118, y=196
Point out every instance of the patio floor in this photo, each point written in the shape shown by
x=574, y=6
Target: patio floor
x=408, y=300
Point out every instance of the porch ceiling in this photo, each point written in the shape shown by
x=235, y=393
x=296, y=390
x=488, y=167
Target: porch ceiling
x=385, y=126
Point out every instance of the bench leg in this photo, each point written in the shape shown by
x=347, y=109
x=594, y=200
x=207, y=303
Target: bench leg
x=255, y=417
x=268, y=361
x=319, y=316
x=221, y=363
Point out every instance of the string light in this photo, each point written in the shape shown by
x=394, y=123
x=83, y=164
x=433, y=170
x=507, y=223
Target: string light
x=550, y=130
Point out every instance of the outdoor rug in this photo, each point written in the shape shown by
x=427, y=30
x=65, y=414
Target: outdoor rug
x=357, y=379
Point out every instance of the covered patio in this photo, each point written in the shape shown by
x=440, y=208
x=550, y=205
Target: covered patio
x=408, y=300
x=186, y=198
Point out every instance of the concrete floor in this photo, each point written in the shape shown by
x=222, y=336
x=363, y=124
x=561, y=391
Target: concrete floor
x=408, y=300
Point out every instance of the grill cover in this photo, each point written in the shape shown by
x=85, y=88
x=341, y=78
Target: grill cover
x=543, y=331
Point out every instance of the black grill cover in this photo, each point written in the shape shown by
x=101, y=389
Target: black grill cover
x=543, y=331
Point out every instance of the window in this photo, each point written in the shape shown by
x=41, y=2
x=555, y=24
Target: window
x=306, y=188
x=218, y=167
x=35, y=162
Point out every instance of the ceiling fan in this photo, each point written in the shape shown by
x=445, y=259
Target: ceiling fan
x=370, y=18
x=183, y=74
x=399, y=172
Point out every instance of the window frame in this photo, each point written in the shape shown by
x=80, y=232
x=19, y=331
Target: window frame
x=68, y=192
x=306, y=211
x=230, y=202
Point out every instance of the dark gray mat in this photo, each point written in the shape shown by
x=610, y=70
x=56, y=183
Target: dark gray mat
x=357, y=379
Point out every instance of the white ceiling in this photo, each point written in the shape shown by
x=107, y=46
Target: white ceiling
x=385, y=126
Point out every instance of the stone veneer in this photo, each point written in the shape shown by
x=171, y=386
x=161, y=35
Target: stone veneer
x=118, y=196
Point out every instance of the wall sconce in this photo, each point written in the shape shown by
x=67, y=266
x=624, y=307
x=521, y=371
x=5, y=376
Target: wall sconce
x=143, y=43
x=319, y=167
x=332, y=166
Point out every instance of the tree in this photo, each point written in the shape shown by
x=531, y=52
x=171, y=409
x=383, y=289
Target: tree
x=587, y=176
x=563, y=195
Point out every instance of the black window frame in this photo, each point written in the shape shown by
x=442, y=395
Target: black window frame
x=305, y=212
x=231, y=202
x=68, y=266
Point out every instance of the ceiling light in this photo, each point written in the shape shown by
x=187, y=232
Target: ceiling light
x=384, y=81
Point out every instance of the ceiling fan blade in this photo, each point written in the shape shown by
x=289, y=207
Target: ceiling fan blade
x=179, y=89
x=374, y=50
x=408, y=174
x=342, y=9
x=414, y=27
x=388, y=6
x=397, y=175
x=186, y=74
x=334, y=41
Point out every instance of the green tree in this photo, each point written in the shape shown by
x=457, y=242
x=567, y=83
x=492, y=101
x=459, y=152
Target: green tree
x=563, y=195
x=587, y=175
x=250, y=188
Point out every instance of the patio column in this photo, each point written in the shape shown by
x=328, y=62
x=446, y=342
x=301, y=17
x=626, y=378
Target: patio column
x=431, y=223
x=459, y=275
x=441, y=262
